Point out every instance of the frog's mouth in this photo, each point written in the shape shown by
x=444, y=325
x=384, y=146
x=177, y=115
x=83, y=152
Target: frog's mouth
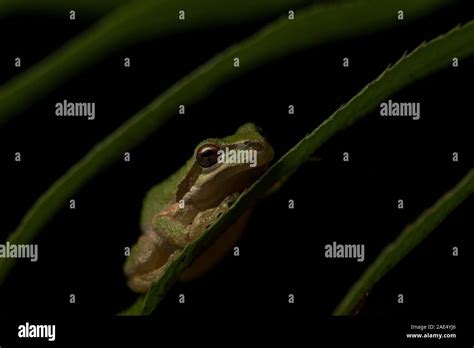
x=226, y=178
x=225, y=184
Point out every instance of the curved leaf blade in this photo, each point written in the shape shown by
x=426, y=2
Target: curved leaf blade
x=408, y=239
x=315, y=25
x=423, y=61
x=58, y=7
x=137, y=21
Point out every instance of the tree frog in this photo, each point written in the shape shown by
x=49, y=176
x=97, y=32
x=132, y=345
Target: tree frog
x=176, y=211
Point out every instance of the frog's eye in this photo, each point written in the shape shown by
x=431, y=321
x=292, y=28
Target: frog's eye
x=207, y=155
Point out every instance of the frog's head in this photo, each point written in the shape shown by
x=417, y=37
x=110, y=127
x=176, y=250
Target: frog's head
x=227, y=165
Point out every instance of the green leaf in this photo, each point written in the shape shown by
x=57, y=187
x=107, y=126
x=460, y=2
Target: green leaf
x=408, y=239
x=315, y=25
x=138, y=21
x=423, y=61
x=58, y=7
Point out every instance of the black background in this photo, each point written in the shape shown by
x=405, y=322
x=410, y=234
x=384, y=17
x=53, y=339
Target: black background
x=282, y=251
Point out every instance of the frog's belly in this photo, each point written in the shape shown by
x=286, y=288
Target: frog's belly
x=225, y=242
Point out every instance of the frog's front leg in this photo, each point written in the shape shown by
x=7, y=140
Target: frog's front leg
x=179, y=234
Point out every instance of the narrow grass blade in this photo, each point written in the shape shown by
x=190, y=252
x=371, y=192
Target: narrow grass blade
x=410, y=237
x=425, y=60
x=89, y=8
x=134, y=22
x=316, y=25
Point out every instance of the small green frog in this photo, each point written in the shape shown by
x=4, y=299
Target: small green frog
x=176, y=211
